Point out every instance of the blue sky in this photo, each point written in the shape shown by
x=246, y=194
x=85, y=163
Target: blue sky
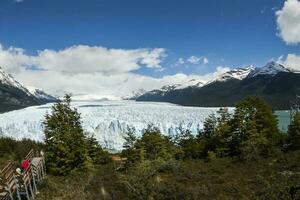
x=227, y=33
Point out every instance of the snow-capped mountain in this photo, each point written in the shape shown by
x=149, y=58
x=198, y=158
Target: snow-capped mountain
x=272, y=68
x=165, y=89
x=227, y=89
x=13, y=95
x=134, y=94
x=40, y=94
x=190, y=83
x=238, y=73
x=8, y=80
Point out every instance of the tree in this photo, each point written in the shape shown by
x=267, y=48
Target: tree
x=132, y=150
x=191, y=147
x=294, y=133
x=223, y=132
x=151, y=146
x=209, y=127
x=154, y=144
x=95, y=151
x=254, y=124
x=66, y=148
x=216, y=133
x=130, y=138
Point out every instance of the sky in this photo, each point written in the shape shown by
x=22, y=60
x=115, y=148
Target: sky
x=110, y=48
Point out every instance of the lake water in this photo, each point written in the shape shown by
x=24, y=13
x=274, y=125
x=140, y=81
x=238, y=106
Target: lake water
x=283, y=119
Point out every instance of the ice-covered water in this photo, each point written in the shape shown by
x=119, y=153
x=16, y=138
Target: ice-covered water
x=108, y=120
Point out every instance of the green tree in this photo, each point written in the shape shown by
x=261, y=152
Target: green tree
x=190, y=146
x=223, y=132
x=294, y=133
x=96, y=152
x=209, y=127
x=132, y=149
x=254, y=126
x=66, y=148
x=154, y=144
x=216, y=133
x=130, y=138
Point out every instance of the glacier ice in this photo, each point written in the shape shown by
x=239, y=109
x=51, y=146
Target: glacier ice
x=108, y=120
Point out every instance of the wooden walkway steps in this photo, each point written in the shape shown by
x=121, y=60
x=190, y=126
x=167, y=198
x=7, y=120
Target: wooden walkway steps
x=14, y=184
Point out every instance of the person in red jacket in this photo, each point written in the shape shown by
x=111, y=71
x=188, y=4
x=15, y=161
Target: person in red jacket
x=25, y=165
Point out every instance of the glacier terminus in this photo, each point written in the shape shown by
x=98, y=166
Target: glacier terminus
x=108, y=120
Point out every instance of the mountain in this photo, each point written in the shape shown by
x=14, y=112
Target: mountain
x=273, y=82
x=165, y=89
x=272, y=68
x=42, y=95
x=134, y=94
x=239, y=74
x=14, y=95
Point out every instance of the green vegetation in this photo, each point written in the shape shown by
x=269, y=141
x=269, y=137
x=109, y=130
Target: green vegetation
x=250, y=133
x=67, y=147
x=13, y=150
x=294, y=133
x=241, y=155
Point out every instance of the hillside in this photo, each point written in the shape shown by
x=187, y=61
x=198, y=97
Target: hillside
x=14, y=95
x=274, y=83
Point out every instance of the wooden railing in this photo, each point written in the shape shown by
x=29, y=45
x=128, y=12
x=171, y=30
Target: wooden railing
x=14, y=185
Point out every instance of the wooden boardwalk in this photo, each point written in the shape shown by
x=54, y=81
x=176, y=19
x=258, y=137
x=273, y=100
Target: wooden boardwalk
x=16, y=183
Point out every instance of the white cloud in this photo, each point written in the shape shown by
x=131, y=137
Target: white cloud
x=288, y=22
x=87, y=59
x=193, y=60
x=91, y=70
x=13, y=59
x=83, y=59
x=19, y=1
x=116, y=85
x=292, y=61
x=181, y=61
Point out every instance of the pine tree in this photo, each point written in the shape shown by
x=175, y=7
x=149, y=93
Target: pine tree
x=216, y=133
x=131, y=147
x=190, y=145
x=294, y=133
x=66, y=148
x=130, y=138
x=223, y=132
x=95, y=151
x=154, y=144
x=209, y=127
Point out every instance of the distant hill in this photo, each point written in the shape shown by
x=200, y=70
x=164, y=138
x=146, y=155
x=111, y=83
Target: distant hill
x=14, y=96
x=275, y=83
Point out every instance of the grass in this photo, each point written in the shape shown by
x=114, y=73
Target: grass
x=272, y=178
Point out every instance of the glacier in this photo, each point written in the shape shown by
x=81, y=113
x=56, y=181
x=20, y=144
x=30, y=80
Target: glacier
x=108, y=120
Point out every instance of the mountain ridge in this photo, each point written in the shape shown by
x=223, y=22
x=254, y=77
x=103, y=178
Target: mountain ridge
x=13, y=95
x=275, y=83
